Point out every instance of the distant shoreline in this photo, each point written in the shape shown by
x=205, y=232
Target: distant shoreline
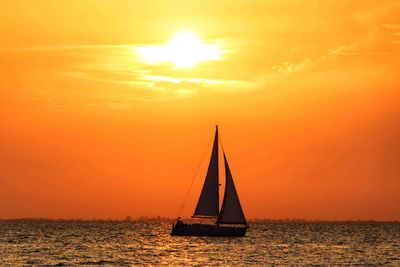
x=144, y=219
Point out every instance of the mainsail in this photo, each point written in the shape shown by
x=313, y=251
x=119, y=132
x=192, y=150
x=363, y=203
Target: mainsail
x=231, y=210
x=208, y=203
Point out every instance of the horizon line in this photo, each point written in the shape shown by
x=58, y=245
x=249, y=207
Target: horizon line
x=161, y=218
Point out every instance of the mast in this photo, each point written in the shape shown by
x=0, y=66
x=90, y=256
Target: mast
x=208, y=203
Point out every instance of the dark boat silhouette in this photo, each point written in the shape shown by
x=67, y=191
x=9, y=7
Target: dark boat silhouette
x=230, y=219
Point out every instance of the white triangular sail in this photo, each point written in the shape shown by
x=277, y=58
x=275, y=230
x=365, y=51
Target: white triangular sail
x=231, y=210
x=208, y=203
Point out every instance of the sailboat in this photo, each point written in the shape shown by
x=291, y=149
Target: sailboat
x=227, y=221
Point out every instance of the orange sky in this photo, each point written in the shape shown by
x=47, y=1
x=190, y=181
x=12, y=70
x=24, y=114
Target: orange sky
x=306, y=94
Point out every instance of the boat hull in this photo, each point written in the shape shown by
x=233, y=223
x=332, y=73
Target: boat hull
x=184, y=229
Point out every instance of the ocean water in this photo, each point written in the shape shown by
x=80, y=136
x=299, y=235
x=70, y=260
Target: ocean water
x=91, y=243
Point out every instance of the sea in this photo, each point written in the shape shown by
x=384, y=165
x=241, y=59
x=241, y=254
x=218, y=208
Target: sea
x=148, y=243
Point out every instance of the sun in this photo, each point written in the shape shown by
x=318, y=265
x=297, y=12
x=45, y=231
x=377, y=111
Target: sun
x=184, y=50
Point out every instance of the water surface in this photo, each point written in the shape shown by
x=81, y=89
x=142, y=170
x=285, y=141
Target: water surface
x=110, y=243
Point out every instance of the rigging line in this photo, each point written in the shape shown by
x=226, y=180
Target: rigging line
x=194, y=177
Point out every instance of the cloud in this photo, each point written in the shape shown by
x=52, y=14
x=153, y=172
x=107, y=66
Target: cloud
x=111, y=105
x=374, y=34
x=118, y=106
x=391, y=26
x=119, y=65
x=288, y=67
x=344, y=50
x=56, y=48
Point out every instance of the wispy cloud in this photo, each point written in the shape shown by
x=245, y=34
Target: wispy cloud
x=391, y=26
x=289, y=67
x=118, y=106
x=55, y=48
x=120, y=65
x=345, y=50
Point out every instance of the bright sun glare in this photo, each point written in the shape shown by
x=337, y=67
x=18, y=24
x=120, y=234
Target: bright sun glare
x=184, y=50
